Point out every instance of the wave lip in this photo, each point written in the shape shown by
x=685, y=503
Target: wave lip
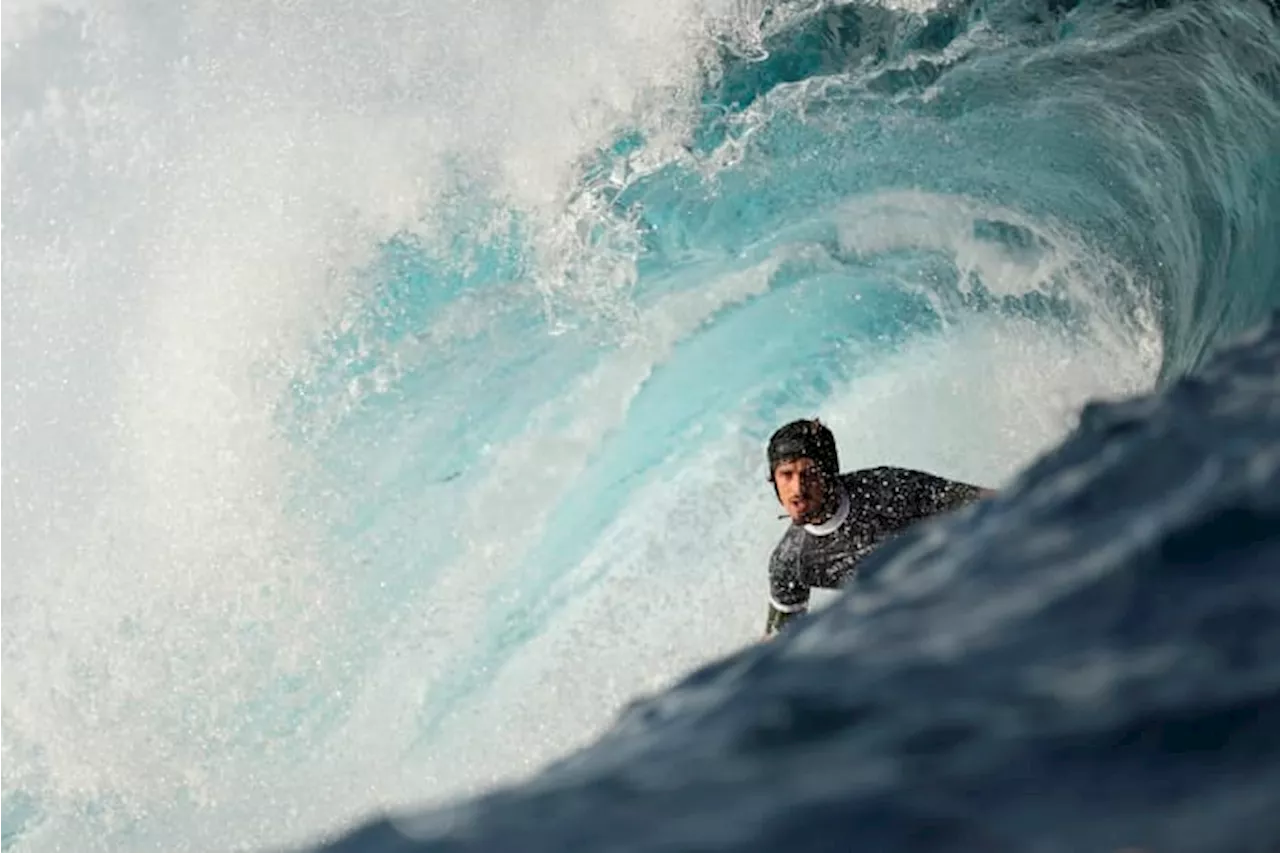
x=1081, y=663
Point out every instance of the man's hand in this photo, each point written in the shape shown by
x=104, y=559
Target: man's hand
x=778, y=618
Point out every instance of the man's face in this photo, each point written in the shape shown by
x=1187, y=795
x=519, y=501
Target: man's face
x=799, y=483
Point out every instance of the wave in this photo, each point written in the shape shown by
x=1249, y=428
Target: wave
x=1080, y=662
x=391, y=382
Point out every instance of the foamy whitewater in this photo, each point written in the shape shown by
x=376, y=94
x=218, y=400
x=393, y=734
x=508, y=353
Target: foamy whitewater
x=387, y=383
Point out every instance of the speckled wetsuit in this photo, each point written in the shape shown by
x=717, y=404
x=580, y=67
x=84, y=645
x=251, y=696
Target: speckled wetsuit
x=874, y=504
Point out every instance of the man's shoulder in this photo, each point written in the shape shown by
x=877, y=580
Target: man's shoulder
x=856, y=483
x=878, y=478
x=878, y=472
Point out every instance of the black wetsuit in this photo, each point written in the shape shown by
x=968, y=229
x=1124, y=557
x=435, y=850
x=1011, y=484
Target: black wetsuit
x=874, y=505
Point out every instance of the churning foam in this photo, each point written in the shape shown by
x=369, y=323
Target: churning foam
x=190, y=193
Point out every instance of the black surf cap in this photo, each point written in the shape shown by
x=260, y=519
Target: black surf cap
x=802, y=438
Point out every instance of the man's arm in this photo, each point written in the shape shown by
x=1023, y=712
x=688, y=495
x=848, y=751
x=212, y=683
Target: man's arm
x=788, y=593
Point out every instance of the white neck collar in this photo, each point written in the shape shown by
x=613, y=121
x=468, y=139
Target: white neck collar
x=834, y=522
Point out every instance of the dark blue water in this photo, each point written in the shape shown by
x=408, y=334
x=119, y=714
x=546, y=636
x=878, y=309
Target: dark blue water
x=1083, y=663
x=389, y=384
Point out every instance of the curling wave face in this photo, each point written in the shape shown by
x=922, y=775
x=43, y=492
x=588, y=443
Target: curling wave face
x=389, y=384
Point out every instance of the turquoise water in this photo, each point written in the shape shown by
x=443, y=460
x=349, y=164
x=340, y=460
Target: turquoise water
x=392, y=383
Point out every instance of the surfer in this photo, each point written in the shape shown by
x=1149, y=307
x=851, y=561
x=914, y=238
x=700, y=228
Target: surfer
x=837, y=519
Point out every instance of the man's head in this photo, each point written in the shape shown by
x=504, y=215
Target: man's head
x=803, y=465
